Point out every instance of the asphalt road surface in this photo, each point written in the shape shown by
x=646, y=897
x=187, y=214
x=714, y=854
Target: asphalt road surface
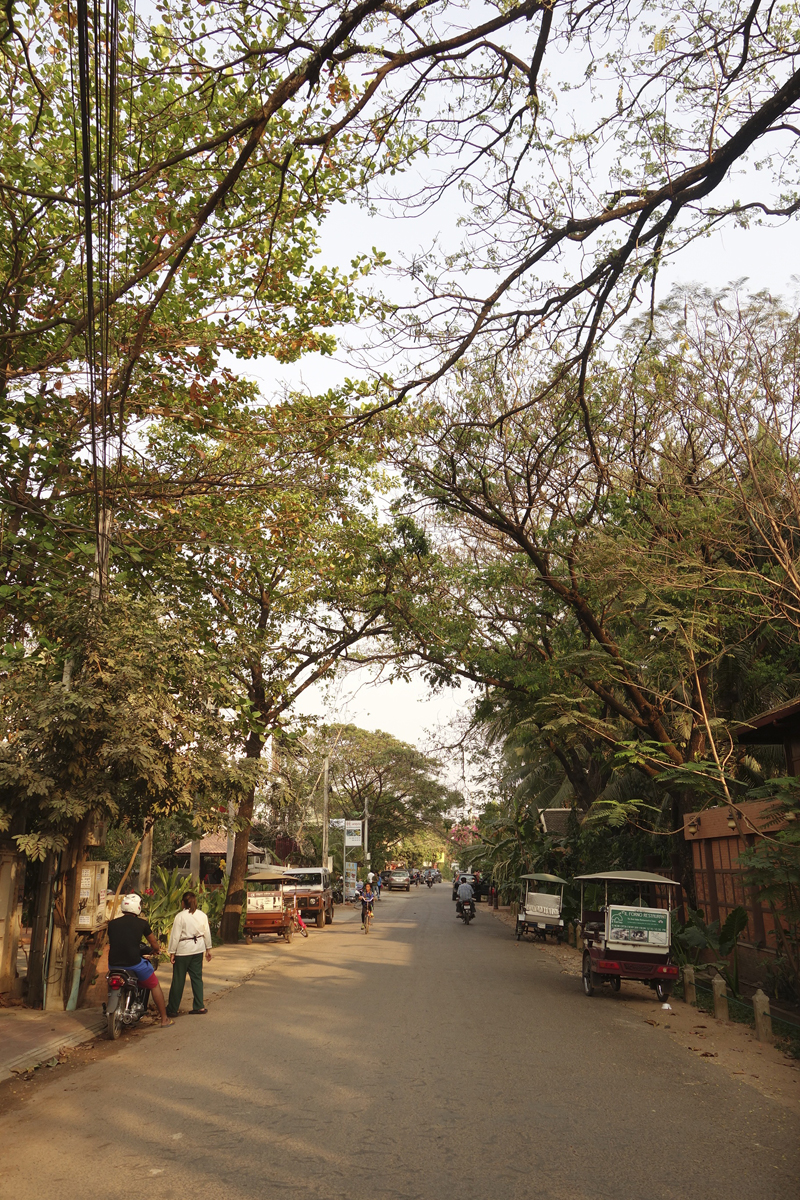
x=425, y=1060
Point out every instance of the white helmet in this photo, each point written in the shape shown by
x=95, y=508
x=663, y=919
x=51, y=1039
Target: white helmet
x=131, y=904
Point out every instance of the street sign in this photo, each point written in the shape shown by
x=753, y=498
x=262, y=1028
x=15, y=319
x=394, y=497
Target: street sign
x=350, y=881
x=352, y=833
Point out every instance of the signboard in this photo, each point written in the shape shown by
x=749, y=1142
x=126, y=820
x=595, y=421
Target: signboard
x=349, y=881
x=352, y=833
x=538, y=904
x=639, y=926
x=264, y=902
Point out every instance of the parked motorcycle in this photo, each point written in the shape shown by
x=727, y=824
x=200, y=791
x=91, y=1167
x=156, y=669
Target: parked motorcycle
x=127, y=999
x=465, y=909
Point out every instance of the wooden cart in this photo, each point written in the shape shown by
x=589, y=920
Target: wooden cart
x=268, y=909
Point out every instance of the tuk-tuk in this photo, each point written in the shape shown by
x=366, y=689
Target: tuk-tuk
x=268, y=909
x=627, y=935
x=540, y=901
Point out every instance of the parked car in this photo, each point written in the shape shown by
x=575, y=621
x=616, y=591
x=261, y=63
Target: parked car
x=459, y=879
x=314, y=893
x=399, y=881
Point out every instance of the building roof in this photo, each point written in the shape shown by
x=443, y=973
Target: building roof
x=217, y=843
x=771, y=728
x=555, y=820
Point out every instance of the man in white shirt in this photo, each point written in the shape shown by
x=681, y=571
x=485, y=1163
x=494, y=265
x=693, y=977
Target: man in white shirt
x=189, y=940
x=464, y=895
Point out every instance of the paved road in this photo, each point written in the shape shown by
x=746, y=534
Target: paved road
x=426, y=1060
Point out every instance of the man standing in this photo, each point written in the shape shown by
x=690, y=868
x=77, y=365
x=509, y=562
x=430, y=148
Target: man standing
x=124, y=936
x=189, y=940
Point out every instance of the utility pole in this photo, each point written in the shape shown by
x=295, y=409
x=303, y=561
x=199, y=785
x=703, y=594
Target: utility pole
x=366, y=831
x=325, y=806
x=146, y=860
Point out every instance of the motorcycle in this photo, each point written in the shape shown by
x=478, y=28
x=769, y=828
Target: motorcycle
x=429, y=882
x=465, y=909
x=127, y=999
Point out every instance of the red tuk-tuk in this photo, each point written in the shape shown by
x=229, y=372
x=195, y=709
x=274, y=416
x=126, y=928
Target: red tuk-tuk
x=626, y=932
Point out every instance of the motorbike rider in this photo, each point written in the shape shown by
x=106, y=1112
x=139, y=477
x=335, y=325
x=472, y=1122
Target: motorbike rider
x=464, y=895
x=124, y=935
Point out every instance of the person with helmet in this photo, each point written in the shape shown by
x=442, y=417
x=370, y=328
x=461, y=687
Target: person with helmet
x=125, y=934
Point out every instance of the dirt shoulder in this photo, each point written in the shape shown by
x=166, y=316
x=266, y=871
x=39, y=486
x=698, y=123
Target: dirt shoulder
x=731, y=1047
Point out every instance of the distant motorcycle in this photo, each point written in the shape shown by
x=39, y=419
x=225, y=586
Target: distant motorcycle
x=127, y=999
x=429, y=881
x=465, y=909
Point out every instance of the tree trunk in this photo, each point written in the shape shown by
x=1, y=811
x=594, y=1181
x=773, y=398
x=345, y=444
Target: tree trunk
x=40, y=924
x=234, y=901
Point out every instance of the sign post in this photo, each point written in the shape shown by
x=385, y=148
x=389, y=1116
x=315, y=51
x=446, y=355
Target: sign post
x=352, y=837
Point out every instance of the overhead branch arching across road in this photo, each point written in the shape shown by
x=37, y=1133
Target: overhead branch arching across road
x=581, y=145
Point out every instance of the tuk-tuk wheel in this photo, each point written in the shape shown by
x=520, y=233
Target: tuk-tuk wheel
x=663, y=990
x=586, y=972
x=518, y=932
x=616, y=983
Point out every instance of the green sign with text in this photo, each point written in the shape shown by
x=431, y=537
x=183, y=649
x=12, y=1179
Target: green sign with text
x=641, y=926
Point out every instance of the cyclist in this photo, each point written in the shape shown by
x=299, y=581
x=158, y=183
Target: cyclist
x=367, y=898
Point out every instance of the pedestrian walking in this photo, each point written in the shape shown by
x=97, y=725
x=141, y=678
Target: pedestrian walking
x=189, y=940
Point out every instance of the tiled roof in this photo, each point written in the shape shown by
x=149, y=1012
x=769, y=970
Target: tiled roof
x=216, y=843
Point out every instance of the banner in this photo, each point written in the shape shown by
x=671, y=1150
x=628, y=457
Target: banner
x=350, y=881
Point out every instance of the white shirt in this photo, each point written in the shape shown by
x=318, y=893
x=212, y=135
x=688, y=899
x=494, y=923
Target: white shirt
x=190, y=933
x=370, y=877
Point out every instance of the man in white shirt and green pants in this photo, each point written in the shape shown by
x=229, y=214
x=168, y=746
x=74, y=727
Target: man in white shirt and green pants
x=189, y=940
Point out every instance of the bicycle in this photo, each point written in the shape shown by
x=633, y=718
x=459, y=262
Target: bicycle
x=367, y=919
x=298, y=922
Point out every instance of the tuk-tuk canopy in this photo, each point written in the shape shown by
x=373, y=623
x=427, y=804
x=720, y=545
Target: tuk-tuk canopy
x=624, y=877
x=269, y=874
x=545, y=878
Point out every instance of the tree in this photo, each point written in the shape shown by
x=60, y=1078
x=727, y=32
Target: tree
x=619, y=604
x=110, y=719
x=374, y=775
x=239, y=127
